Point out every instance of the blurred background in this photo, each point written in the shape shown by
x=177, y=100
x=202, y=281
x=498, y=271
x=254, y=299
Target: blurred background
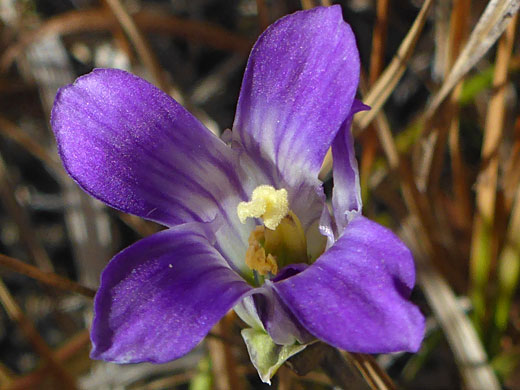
x=439, y=156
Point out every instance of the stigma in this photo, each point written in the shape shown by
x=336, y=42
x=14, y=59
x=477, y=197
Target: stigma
x=267, y=203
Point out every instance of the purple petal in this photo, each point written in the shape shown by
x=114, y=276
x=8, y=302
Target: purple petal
x=346, y=196
x=160, y=297
x=297, y=90
x=132, y=146
x=278, y=321
x=355, y=296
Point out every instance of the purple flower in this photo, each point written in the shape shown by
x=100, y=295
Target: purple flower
x=248, y=226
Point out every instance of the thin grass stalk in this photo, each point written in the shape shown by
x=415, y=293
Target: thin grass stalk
x=120, y=38
x=462, y=197
x=386, y=83
x=70, y=349
x=441, y=38
x=141, y=45
x=458, y=31
x=16, y=134
x=447, y=134
x=369, y=140
x=6, y=375
x=19, y=215
x=469, y=353
x=47, y=278
x=91, y=21
x=263, y=14
x=511, y=176
x=467, y=348
x=508, y=274
x=342, y=371
x=377, y=378
x=38, y=343
x=223, y=363
x=141, y=226
x=482, y=254
x=490, y=26
x=285, y=378
x=445, y=121
x=377, y=55
x=307, y=4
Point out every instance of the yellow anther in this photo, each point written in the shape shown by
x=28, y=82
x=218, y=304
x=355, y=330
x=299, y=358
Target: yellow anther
x=256, y=258
x=267, y=203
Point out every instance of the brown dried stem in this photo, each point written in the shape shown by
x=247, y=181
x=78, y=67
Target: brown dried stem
x=369, y=140
x=48, y=278
x=377, y=55
x=223, y=363
x=263, y=14
x=141, y=45
x=102, y=20
x=385, y=84
x=16, y=314
x=62, y=354
x=482, y=252
x=22, y=220
x=13, y=132
x=371, y=371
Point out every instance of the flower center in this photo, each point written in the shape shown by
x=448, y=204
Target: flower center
x=281, y=241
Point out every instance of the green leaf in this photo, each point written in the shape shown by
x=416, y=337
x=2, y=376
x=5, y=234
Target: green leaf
x=265, y=355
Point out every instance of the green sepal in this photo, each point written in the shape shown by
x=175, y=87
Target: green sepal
x=265, y=355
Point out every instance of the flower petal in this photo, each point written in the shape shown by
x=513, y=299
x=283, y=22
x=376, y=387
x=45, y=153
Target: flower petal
x=355, y=296
x=346, y=195
x=135, y=148
x=297, y=90
x=278, y=321
x=160, y=297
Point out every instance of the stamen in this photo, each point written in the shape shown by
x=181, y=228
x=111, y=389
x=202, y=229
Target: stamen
x=267, y=203
x=256, y=258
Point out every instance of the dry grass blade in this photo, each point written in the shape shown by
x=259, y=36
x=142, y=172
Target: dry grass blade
x=511, y=176
x=284, y=378
x=47, y=278
x=76, y=344
x=377, y=55
x=100, y=20
x=447, y=126
x=142, y=47
x=22, y=220
x=13, y=132
x=384, y=86
x=223, y=363
x=375, y=376
x=263, y=14
x=469, y=353
x=482, y=253
x=16, y=314
x=490, y=26
x=441, y=38
x=308, y=4
x=509, y=268
x=369, y=142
